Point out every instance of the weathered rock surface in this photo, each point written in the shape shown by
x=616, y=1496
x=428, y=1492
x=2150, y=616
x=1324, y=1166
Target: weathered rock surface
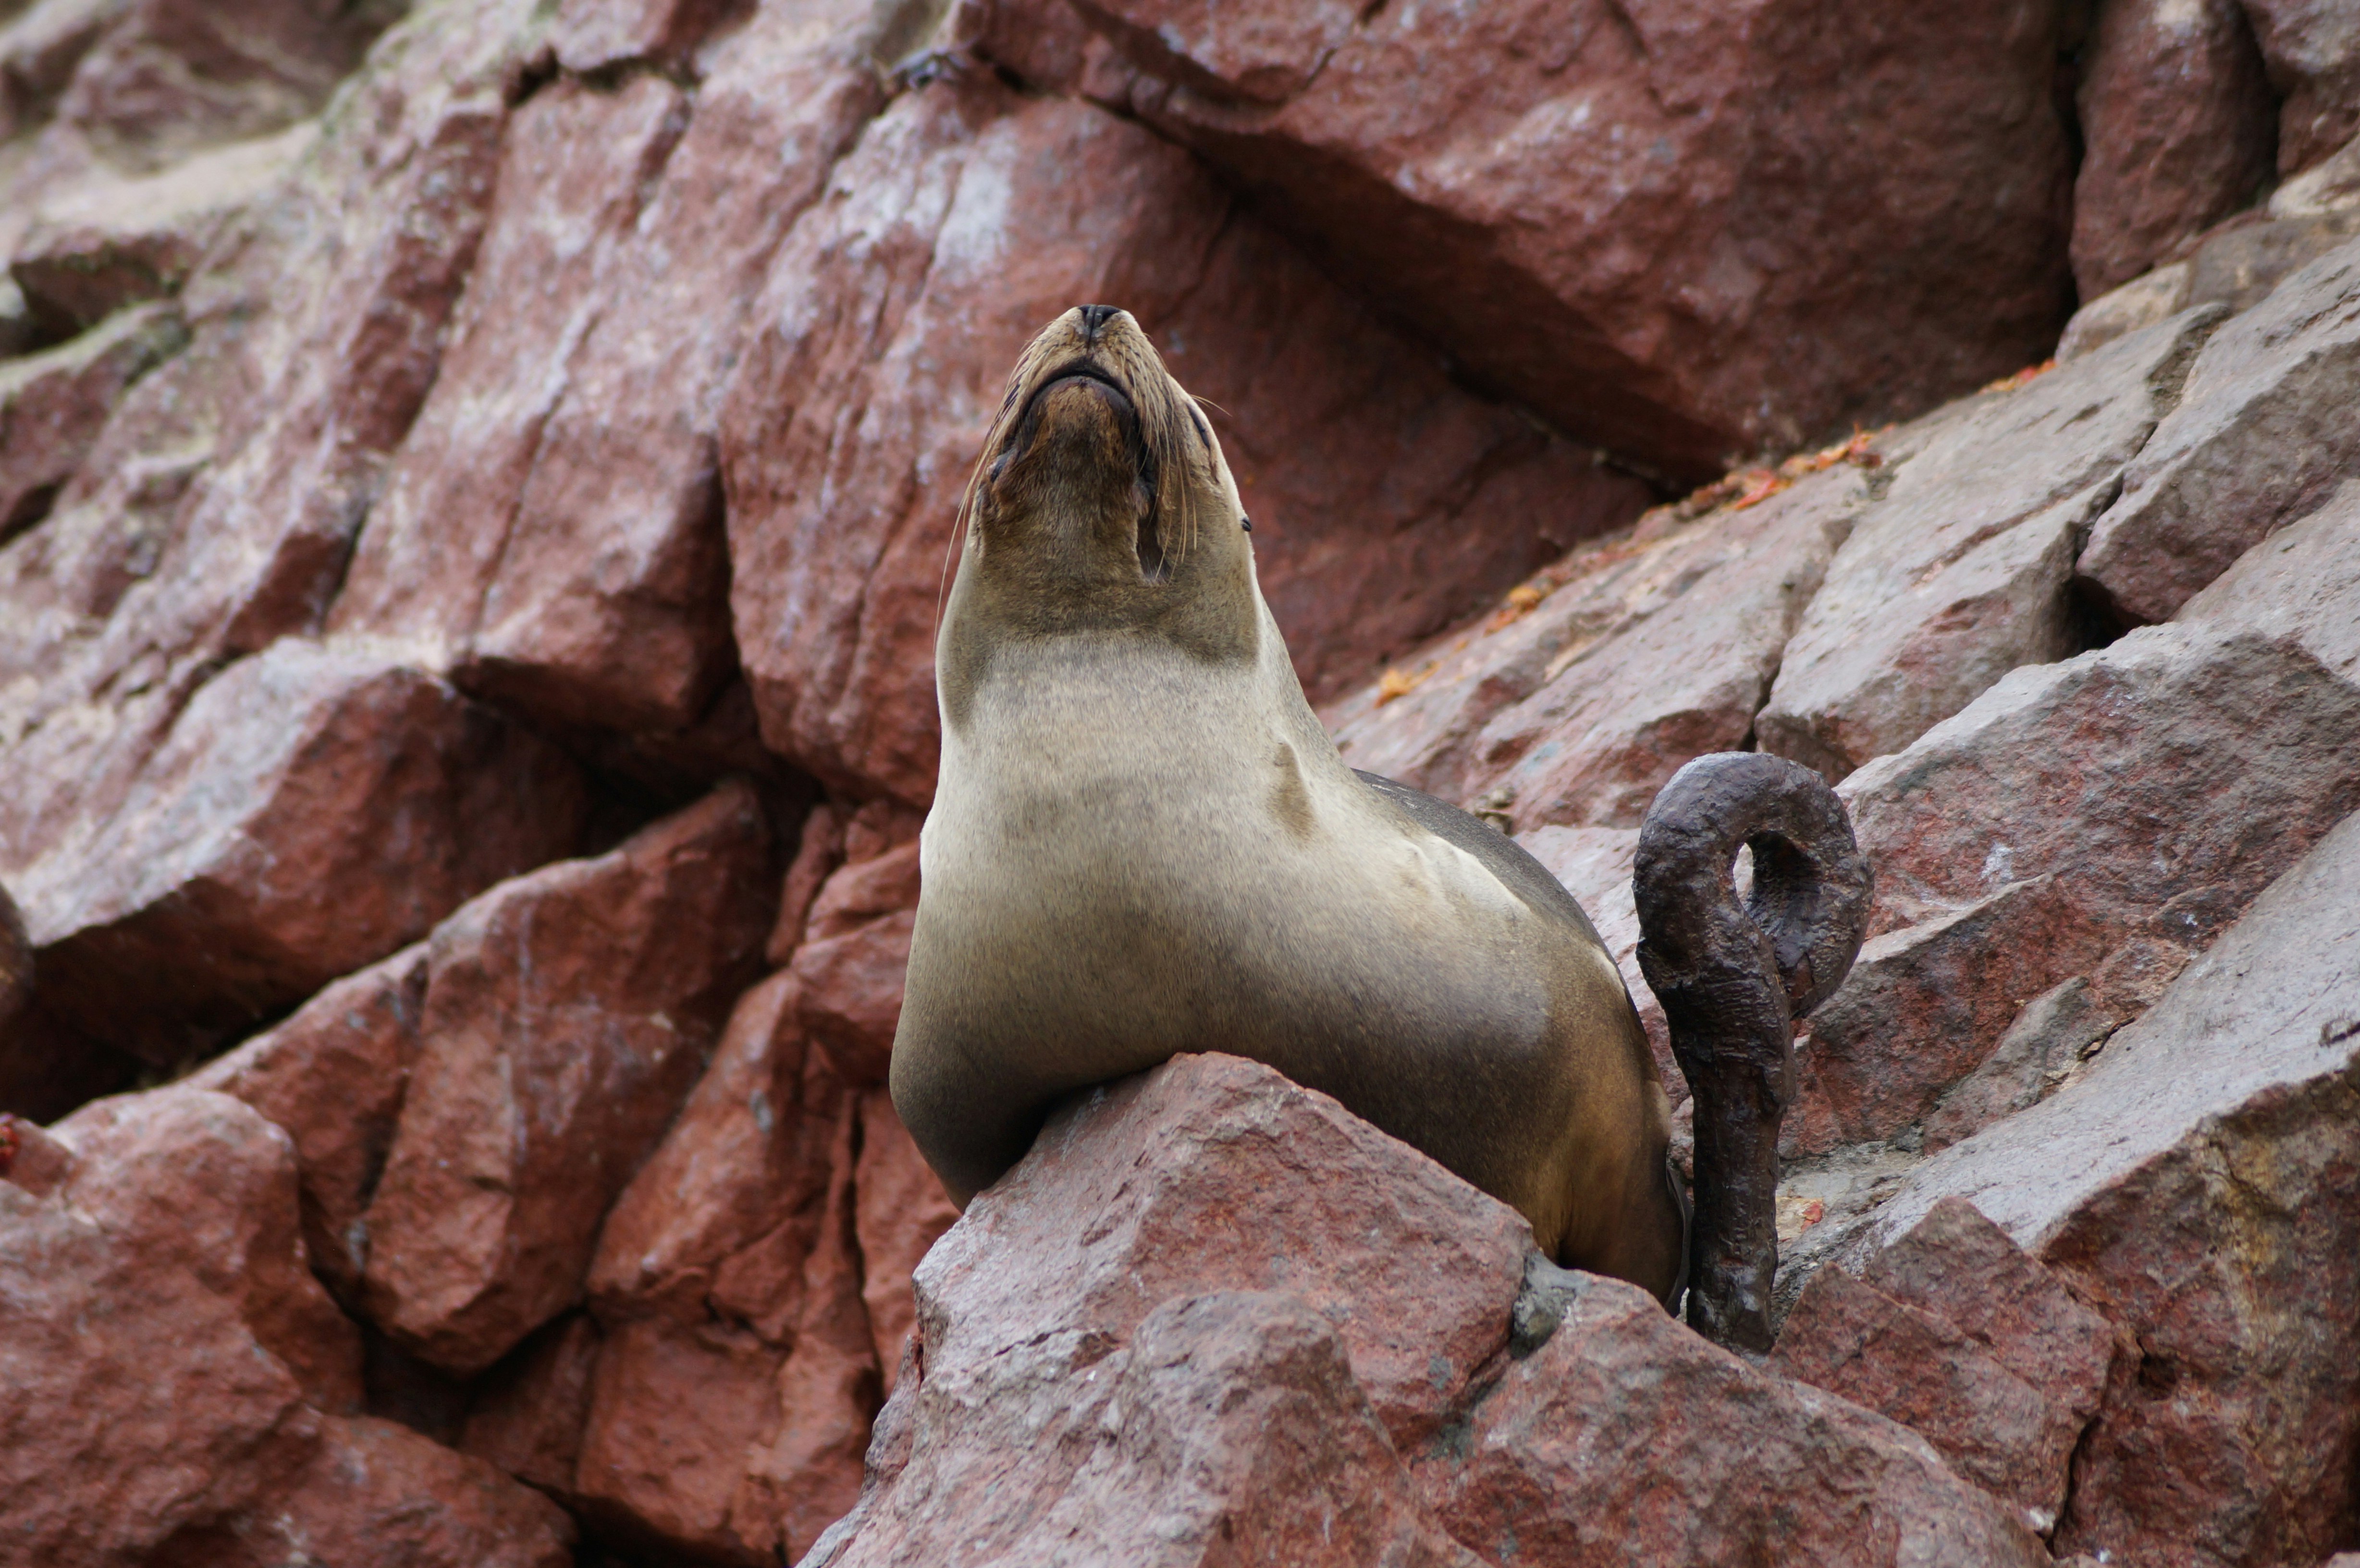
x=1604, y=210
x=1956, y=1333
x=1959, y=572
x=1147, y=1384
x=2196, y=1184
x=53, y=405
x=176, y=1379
x=2303, y=582
x=2261, y=437
x=2178, y=126
x=313, y=808
x=1650, y=651
x=900, y=1212
x=567, y=1013
x=967, y=217
x=2312, y=51
x=2107, y=816
x=332, y=1078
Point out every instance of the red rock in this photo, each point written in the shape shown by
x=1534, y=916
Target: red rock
x=567, y=1013
x=1250, y=1183
x=1625, y=1438
x=332, y=1078
x=949, y=234
x=528, y=1414
x=1959, y=572
x=53, y=404
x=2196, y=1184
x=39, y=47
x=2049, y=1036
x=313, y=808
x=106, y=241
x=735, y=1386
x=819, y=850
x=1230, y=1430
x=899, y=1211
x=2004, y=1402
x=2312, y=51
x=1627, y=216
x=16, y=963
x=163, y=1348
x=2330, y=188
x=2259, y=440
x=376, y=1495
x=850, y=999
x=2146, y=299
x=2178, y=122
x=2145, y=792
x=1656, y=658
x=2302, y=582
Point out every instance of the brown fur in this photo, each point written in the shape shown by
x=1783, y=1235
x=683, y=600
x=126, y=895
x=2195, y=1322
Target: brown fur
x=1144, y=843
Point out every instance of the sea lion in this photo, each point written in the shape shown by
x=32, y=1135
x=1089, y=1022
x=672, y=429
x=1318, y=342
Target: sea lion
x=1142, y=843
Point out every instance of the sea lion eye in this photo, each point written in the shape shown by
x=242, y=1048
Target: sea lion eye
x=1245, y=522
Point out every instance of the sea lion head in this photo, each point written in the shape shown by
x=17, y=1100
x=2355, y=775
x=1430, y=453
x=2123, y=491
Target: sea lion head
x=1101, y=500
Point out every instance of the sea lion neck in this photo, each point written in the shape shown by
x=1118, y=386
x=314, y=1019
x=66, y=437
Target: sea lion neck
x=1101, y=504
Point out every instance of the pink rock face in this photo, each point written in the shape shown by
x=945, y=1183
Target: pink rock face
x=1230, y=1430
x=1626, y=1438
x=53, y=405
x=1386, y=502
x=2003, y=1396
x=854, y=960
x=2259, y=440
x=1628, y=215
x=900, y=1212
x=567, y=1013
x=332, y=1078
x=731, y=1397
x=1959, y=573
x=2195, y=1185
x=2302, y=582
x=527, y=1414
x=312, y=809
x=2141, y=794
x=2312, y=51
x=2178, y=122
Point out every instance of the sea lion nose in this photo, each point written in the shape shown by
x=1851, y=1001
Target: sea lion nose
x=1095, y=318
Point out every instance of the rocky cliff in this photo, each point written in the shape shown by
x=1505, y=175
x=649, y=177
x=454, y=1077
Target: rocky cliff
x=476, y=478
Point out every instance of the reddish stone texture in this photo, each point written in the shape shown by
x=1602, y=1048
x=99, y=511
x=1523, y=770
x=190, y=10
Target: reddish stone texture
x=1626, y=1438
x=2147, y=791
x=1959, y=572
x=2003, y=1396
x=732, y=1395
x=1628, y=215
x=527, y=1414
x=313, y=808
x=567, y=1014
x=53, y=405
x=2260, y=439
x=332, y=1078
x=2302, y=582
x=966, y=217
x=854, y=958
x=1230, y=1430
x=1579, y=698
x=899, y=1211
x=2311, y=48
x=2195, y=1184
x=2178, y=125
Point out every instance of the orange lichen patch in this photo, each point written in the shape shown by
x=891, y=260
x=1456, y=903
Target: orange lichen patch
x=1522, y=601
x=1398, y=683
x=1743, y=487
x=2022, y=378
x=1761, y=484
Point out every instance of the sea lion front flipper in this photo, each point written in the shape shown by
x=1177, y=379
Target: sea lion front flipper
x=1732, y=980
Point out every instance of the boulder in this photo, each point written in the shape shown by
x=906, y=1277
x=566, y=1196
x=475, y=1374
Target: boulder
x=2302, y=583
x=179, y=1389
x=1637, y=657
x=854, y=958
x=2105, y=817
x=731, y=1399
x=567, y=1014
x=571, y=436
x=2259, y=440
x=1958, y=1334
x=899, y=1211
x=1959, y=572
x=527, y=1412
x=332, y=1078
x=52, y=406
x=2178, y=126
x=313, y=808
x=967, y=217
x=2196, y=1185
x=1627, y=216
x=2312, y=51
